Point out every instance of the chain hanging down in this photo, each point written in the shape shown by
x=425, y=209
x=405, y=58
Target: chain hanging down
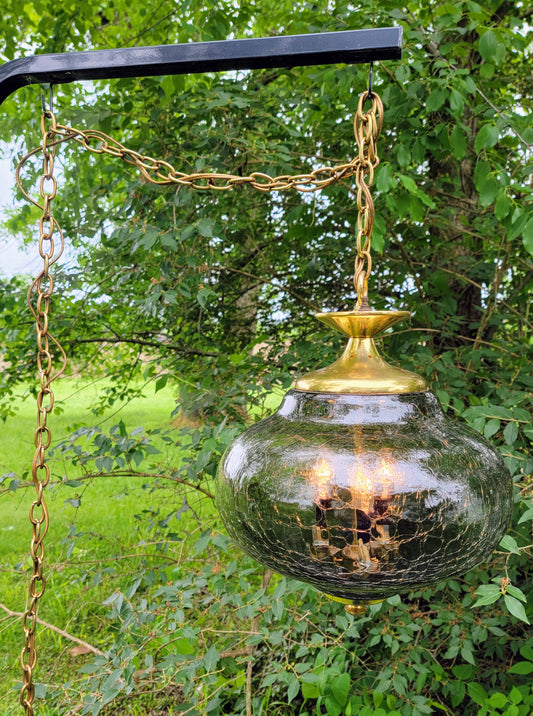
x=367, y=127
x=51, y=245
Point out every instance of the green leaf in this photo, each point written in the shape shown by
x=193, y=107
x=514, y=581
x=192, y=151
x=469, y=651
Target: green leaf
x=510, y=433
x=206, y=227
x=413, y=188
x=384, y=177
x=470, y=85
x=515, y=696
x=527, y=652
x=457, y=103
x=202, y=542
x=500, y=54
x=518, y=225
x=527, y=236
x=516, y=592
x=204, y=296
x=498, y=700
x=409, y=183
x=149, y=238
x=378, y=234
x=333, y=708
x=489, y=411
x=486, y=137
x=509, y=543
x=491, y=427
x=72, y=483
x=404, y=155
x=482, y=172
x=488, y=192
x=477, y=693
x=528, y=515
x=435, y=100
x=294, y=688
x=402, y=73
x=340, y=688
x=516, y=608
x=487, y=45
x=211, y=658
x=458, y=142
x=466, y=653
x=40, y=691
x=503, y=206
x=161, y=382
x=521, y=667
x=463, y=671
x=488, y=594
x=309, y=691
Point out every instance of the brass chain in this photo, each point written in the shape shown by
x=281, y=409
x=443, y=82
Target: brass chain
x=162, y=173
x=367, y=127
x=51, y=245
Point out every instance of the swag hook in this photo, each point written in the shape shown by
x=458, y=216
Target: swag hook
x=370, y=80
x=50, y=111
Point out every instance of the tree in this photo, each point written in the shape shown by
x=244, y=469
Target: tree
x=194, y=282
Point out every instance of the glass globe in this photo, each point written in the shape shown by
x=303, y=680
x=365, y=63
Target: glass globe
x=359, y=484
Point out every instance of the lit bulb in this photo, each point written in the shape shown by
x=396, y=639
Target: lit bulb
x=321, y=477
x=362, y=490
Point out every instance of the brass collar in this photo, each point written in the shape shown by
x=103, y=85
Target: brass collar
x=361, y=369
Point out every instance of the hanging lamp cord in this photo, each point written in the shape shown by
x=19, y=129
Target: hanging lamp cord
x=51, y=245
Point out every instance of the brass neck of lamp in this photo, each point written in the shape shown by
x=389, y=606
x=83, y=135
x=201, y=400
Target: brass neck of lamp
x=361, y=369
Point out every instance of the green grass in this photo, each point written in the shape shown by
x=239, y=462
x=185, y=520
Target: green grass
x=83, y=570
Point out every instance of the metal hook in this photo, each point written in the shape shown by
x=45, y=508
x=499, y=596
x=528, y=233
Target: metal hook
x=370, y=79
x=49, y=111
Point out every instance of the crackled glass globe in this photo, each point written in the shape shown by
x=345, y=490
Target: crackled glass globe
x=359, y=484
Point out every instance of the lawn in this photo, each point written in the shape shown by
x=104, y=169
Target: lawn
x=96, y=525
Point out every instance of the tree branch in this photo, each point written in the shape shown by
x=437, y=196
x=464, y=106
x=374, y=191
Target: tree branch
x=57, y=630
x=125, y=473
x=143, y=342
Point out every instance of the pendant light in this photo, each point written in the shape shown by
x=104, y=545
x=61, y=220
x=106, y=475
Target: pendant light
x=359, y=484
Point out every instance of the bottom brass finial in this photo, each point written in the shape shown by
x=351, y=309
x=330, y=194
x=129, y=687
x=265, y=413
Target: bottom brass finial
x=356, y=610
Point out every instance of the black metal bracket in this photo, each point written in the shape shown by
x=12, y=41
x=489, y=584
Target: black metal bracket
x=349, y=46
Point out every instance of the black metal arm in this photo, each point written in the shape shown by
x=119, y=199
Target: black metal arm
x=350, y=46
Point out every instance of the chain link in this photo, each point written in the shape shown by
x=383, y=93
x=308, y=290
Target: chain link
x=158, y=171
x=50, y=249
x=367, y=127
x=162, y=173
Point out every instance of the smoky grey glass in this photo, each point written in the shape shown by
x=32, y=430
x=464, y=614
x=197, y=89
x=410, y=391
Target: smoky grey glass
x=364, y=496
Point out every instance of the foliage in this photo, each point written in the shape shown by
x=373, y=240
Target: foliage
x=214, y=293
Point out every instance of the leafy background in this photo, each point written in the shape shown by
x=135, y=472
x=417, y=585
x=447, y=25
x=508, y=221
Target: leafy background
x=211, y=296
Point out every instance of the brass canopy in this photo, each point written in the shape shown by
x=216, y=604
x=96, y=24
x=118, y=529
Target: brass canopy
x=361, y=369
